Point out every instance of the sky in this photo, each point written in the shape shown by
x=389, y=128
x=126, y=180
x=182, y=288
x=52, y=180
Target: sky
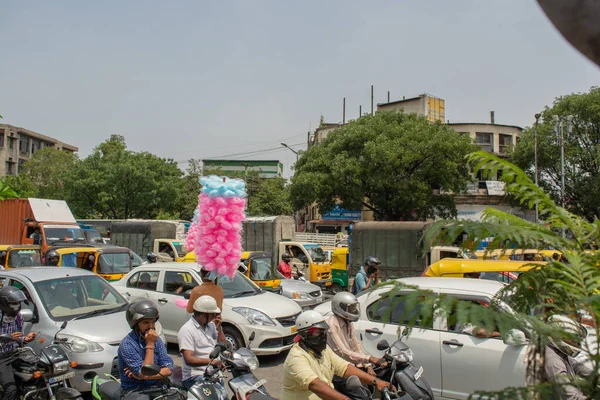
x=199, y=79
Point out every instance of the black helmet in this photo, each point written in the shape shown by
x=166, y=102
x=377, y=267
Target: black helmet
x=286, y=257
x=140, y=309
x=372, y=262
x=10, y=300
x=52, y=258
x=151, y=257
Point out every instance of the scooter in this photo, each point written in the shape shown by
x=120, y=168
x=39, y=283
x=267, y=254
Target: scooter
x=44, y=375
x=110, y=388
x=402, y=373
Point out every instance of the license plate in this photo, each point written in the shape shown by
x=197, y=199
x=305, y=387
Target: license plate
x=61, y=378
x=419, y=373
x=293, y=329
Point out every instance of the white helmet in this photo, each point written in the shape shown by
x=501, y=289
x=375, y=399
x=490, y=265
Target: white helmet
x=571, y=346
x=345, y=305
x=310, y=319
x=206, y=304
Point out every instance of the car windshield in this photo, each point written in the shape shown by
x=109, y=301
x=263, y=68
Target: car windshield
x=260, y=269
x=66, y=298
x=67, y=234
x=180, y=248
x=316, y=252
x=24, y=258
x=137, y=260
x=114, y=263
x=238, y=286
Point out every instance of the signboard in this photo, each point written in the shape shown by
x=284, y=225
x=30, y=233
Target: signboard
x=495, y=188
x=338, y=214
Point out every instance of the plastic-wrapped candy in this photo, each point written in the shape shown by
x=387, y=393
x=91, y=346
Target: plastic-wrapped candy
x=217, y=241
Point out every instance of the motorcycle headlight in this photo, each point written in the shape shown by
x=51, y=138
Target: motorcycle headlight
x=255, y=317
x=248, y=357
x=405, y=356
x=79, y=345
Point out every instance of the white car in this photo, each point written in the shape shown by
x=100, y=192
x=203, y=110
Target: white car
x=455, y=364
x=247, y=309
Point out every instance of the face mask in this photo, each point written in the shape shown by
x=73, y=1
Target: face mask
x=14, y=309
x=317, y=343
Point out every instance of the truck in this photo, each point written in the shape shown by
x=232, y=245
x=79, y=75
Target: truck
x=165, y=238
x=398, y=247
x=40, y=222
x=275, y=234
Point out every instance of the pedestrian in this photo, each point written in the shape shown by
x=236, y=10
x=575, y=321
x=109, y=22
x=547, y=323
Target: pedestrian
x=208, y=288
x=311, y=365
x=197, y=338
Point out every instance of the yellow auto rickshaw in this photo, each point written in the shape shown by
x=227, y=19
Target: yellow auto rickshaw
x=519, y=254
x=260, y=269
x=20, y=255
x=500, y=270
x=111, y=263
x=338, y=257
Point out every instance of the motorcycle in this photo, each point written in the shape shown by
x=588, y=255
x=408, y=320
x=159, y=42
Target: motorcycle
x=402, y=373
x=44, y=375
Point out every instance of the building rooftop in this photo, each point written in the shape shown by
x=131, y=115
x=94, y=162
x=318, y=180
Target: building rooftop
x=39, y=136
x=483, y=123
x=398, y=101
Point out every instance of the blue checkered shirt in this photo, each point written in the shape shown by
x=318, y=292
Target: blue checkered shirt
x=8, y=328
x=132, y=352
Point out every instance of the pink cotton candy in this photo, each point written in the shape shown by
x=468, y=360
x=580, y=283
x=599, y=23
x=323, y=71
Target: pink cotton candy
x=181, y=302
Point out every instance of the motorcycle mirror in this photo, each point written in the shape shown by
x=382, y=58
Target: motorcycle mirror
x=252, y=336
x=63, y=325
x=215, y=352
x=27, y=315
x=353, y=383
x=150, y=370
x=383, y=345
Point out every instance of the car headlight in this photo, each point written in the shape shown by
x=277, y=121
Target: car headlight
x=299, y=295
x=79, y=345
x=404, y=356
x=255, y=317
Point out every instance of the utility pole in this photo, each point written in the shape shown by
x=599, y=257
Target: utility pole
x=371, y=99
x=535, y=152
x=289, y=148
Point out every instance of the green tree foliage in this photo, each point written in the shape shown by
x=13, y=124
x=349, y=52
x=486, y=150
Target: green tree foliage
x=114, y=182
x=390, y=163
x=568, y=287
x=271, y=197
x=46, y=170
x=6, y=191
x=582, y=152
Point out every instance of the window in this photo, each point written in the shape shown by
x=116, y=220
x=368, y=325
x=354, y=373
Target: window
x=463, y=327
x=20, y=166
x=11, y=142
x=393, y=310
x=24, y=258
x=449, y=254
x=260, y=269
x=506, y=142
x=297, y=254
x=1, y=137
x=177, y=282
x=146, y=280
x=9, y=168
x=114, y=263
x=484, y=140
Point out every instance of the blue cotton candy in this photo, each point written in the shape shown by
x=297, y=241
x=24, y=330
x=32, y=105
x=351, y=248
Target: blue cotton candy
x=214, y=186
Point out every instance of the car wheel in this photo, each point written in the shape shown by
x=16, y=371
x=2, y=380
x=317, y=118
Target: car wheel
x=233, y=337
x=336, y=288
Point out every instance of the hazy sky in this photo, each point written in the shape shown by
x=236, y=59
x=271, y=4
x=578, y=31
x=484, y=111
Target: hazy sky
x=200, y=79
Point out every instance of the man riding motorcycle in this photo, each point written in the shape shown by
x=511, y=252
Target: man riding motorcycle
x=151, y=257
x=11, y=323
x=52, y=258
x=140, y=347
x=284, y=266
x=311, y=365
x=341, y=337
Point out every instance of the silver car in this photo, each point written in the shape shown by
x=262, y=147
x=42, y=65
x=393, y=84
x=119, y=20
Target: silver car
x=93, y=309
x=304, y=293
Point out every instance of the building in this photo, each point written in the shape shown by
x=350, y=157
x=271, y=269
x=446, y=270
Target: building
x=17, y=145
x=431, y=107
x=238, y=168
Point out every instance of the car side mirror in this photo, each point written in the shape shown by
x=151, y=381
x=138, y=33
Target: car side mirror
x=383, y=345
x=515, y=337
x=187, y=294
x=27, y=315
x=150, y=370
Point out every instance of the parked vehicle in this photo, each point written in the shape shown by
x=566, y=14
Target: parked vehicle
x=246, y=308
x=109, y=262
x=500, y=270
x=519, y=254
x=44, y=374
x=20, y=255
x=109, y=389
x=339, y=258
x=21, y=219
x=275, y=235
x=260, y=269
x=95, y=312
x=454, y=363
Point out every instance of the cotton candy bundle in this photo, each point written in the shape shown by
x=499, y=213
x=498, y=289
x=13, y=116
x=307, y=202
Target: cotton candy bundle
x=217, y=244
x=190, y=241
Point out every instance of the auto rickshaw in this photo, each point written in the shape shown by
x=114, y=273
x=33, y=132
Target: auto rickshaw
x=338, y=257
x=20, y=255
x=501, y=270
x=260, y=269
x=112, y=263
x=519, y=254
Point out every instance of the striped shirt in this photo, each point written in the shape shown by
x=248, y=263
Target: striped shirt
x=16, y=325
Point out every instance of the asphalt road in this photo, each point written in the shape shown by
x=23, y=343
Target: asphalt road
x=270, y=369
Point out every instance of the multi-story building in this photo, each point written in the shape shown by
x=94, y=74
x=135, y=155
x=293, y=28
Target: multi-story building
x=238, y=168
x=425, y=104
x=17, y=145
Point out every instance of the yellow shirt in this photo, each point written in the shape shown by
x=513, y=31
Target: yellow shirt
x=302, y=367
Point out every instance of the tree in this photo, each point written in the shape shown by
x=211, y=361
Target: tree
x=47, y=169
x=567, y=287
x=114, y=182
x=271, y=197
x=582, y=152
x=6, y=191
x=389, y=163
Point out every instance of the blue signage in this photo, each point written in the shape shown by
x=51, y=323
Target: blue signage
x=341, y=214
